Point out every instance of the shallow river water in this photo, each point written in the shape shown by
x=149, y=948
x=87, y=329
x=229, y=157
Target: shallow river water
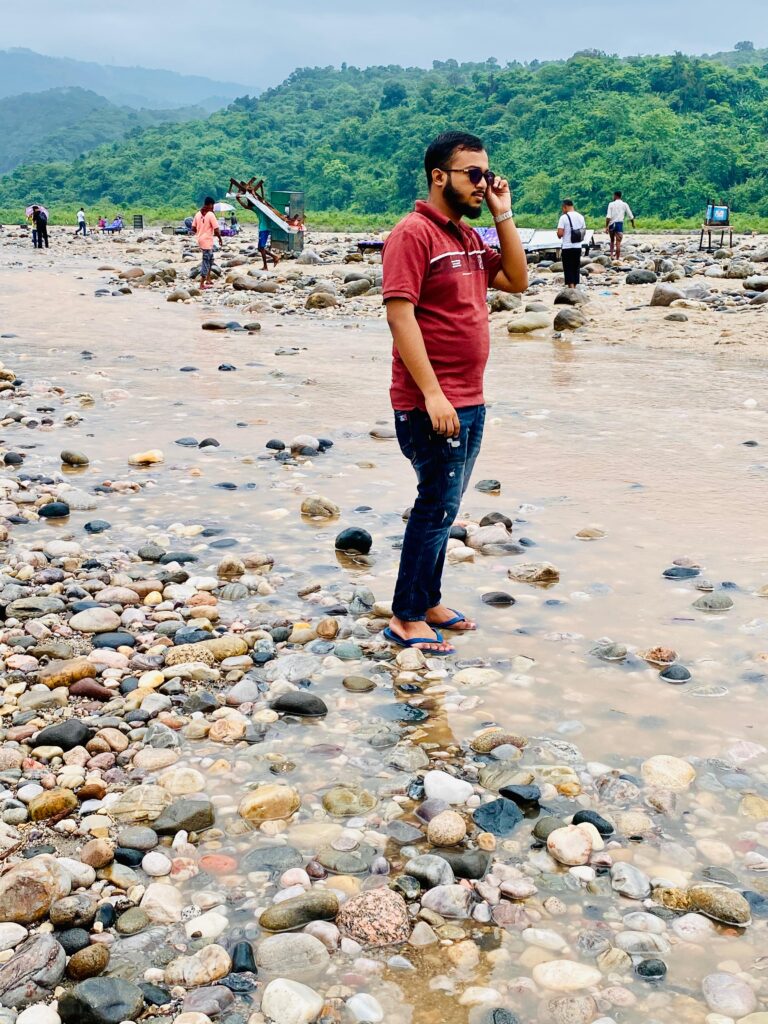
x=647, y=446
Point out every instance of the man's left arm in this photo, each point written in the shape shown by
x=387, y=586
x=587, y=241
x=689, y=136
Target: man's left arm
x=513, y=276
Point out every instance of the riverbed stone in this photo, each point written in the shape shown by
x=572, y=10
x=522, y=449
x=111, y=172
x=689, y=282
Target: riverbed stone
x=566, y=975
x=315, y=905
x=290, y=1002
x=270, y=802
x=375, y=918
x=291, y=953
x=32, y=972
x=101, y=1001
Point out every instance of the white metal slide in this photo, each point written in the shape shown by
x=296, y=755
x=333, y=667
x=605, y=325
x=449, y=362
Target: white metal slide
x=269, y=212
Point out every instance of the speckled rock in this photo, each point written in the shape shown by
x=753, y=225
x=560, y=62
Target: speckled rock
x=375, y=918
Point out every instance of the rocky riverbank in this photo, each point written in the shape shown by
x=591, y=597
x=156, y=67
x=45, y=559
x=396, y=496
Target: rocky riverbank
x=226, y=798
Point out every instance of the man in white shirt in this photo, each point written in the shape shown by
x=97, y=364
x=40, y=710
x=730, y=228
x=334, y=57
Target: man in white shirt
x=571, y=229
x=81, y=225
x=618, y=211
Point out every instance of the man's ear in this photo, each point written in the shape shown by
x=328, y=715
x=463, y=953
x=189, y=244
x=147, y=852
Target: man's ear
x=438, y=176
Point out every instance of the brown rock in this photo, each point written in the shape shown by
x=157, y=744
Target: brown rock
x=269, y=802
x=88, y=962
x=186, y=653
x=28, y=889
x=92, y=790
x=64, y=673
x=97, y=853
x=91, y=690
x=225, y=647
x=54, y=803
x=327, y=628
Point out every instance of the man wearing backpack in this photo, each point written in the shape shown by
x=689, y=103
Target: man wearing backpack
x=40, y=220
x=571, y=229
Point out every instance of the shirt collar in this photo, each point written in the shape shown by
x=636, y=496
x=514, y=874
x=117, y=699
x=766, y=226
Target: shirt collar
x=430, y=211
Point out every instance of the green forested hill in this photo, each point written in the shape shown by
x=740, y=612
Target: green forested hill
x=670, y=131
x=63, y=123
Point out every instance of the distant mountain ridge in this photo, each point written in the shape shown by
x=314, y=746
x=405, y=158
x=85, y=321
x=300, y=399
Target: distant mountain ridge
x=63, y=124
x=671, y=131
x=23, y=70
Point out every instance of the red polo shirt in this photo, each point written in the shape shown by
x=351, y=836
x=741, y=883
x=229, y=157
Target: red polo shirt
x=444, y=269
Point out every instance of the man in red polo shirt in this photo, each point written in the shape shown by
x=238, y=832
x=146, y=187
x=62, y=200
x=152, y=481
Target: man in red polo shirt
x=436, y=275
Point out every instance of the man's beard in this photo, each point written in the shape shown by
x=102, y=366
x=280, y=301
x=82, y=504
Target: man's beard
x=457, y=204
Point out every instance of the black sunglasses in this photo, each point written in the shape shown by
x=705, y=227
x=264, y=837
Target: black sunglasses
x=475, y=174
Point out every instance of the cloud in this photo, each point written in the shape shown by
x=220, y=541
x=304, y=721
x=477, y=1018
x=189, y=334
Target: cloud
x=259, y=43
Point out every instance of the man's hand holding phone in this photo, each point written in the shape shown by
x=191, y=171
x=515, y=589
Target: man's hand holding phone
x=498, y=198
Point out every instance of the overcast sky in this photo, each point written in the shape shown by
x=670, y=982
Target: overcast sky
x=259, y=42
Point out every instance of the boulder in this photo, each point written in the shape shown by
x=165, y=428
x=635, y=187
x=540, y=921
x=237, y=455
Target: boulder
x=526, y=323
x=641, y=277
x=101, y=1001
x=569, y=319
x=32, y=972
x=665, y=295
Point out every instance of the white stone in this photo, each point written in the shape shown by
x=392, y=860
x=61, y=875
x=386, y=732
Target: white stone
x=290, y=1002
x=82, y=875
x=639, y=921
x=668, y=772
x=11, y=935
x=570, y=845
x=565, y=975
x=545, y=938
x=156, y=864
x=162, y=903
x=727, y=994
x=207, y=926
x=693, y=928
x=364, y=1007
x=442, y=786
x=38, y=1013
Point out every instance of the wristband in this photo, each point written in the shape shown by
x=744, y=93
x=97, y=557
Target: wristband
x=504, y=216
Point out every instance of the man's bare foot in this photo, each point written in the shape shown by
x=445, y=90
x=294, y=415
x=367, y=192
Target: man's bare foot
x=442, y=613
x=411, y=630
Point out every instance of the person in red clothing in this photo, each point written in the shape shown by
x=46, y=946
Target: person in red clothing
x=436, y=275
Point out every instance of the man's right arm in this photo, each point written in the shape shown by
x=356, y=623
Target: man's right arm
x=409, y=342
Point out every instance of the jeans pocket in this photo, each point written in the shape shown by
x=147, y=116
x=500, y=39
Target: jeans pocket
x=404, y=434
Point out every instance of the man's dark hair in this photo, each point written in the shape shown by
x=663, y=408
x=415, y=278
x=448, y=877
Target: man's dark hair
x=617, y=194
x=567, y=202
x=209, y=201
x=441, y=149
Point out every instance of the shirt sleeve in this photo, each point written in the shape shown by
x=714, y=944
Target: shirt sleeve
x=405, y=262
x=563, y=222
x=196, y=222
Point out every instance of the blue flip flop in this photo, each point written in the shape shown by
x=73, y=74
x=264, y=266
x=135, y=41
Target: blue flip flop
x=457, y=618
x=395, y=638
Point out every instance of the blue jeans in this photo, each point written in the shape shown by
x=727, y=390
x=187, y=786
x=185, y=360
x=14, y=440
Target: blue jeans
x=207, y=265
x=443, y=467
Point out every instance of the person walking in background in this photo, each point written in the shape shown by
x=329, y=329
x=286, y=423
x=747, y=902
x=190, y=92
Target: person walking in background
x=618, y=211
x=437, y=272
x=265, y=242
x=81, y=225
x=40, y=220
x=571, y=229
x=206, y=227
